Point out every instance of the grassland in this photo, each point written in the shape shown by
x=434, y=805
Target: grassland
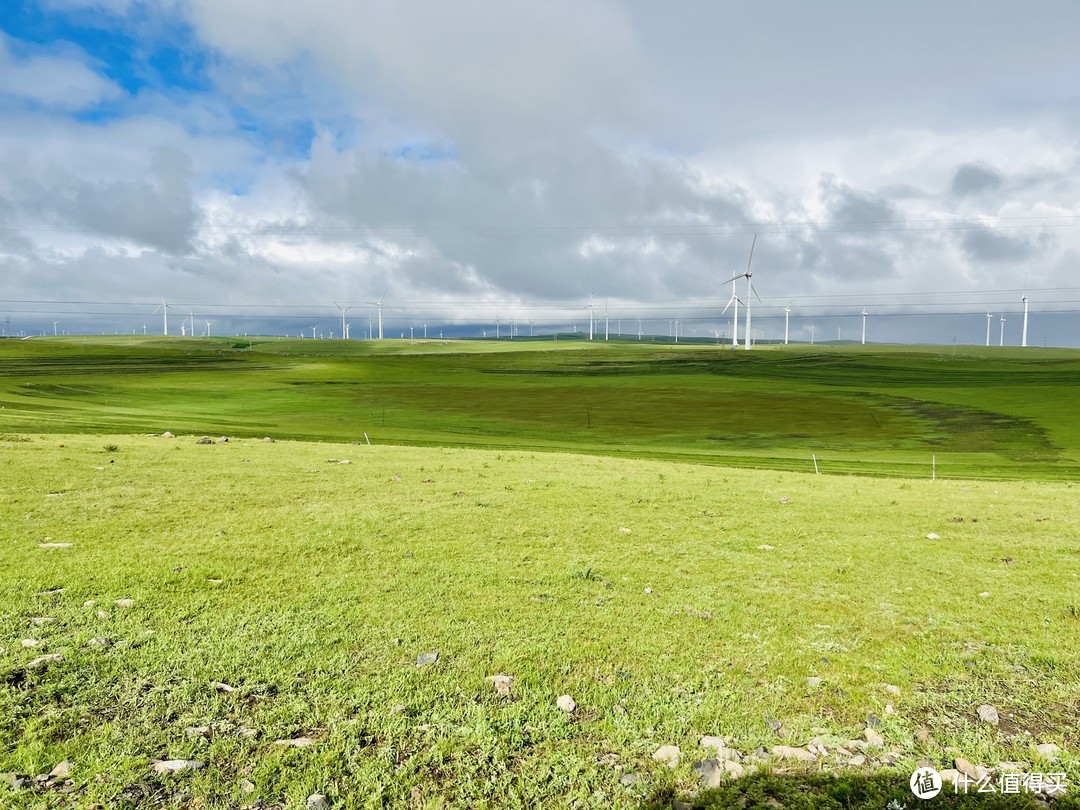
x=986, y=414
x=671, y=600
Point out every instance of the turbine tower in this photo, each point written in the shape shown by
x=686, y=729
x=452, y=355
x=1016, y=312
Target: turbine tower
x=750, y=293
x=1001, y=340
x=164, y=309
x=787, y=314
x=864, y=313
x=606, y=315
x=1023, y=334
x=734, y=321
x=344, y=328
x=590, y=308
x=989, y=317
x=379, y=305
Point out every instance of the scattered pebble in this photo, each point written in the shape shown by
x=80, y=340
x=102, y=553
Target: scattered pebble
x=813, y=682
x=89, y=603
x=268, y=439
x=204, y=440
x=628, y=779
x=168, y=435
x=30, y=642
x=765, y=547
x=223, y=687
x=101, y=614
x=502, y=684
x=55, y=658
x=893, y=690
x=295, y=742
x=317, y=801
x=857, y=761
x=247, y=786
x=624, y=530
x=984, y=594
x=567, y=704
x=933, y=536
x=426, y=659
x=197, y=731
x=988, y=714
x=668, y=754
x=648, y=590
x=1048, y=751
x=175, y=765
x=797, y=754
x=61, y=771
x=54, y=545
x=40, y=620
x=872, y=737
x=976, y=772
x=124, y=602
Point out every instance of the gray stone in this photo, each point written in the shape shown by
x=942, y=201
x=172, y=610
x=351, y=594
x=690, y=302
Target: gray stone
x=950, y=776
x=628, y=779
x=295, y=742
x=204, y=440
x=502, y=683
x=668, y=754
x=247, y=787
x=893, y=690
x=857, y=761
x=268, y=440
x=813, y=682
x=426, y=659
x=223, y=440
x=566, y=703
x=872, y=737
x=988, y=714
x=976, y=772
x=1048, y=751
x=317, y=801
x=168, y=435
x=15, y=780
x=55, y=658
x=124, y=602
x=175, y=765
x=61, y=771
x=924, y=737
x=789, y=752
x=933, y=536
x=709, y=772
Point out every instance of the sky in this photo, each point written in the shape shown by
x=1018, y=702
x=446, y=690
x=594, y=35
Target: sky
x=261, y=163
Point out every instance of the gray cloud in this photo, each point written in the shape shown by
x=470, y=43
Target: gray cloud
x=973, y=179
x=985, y=245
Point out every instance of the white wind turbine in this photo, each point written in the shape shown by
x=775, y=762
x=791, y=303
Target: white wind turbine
x=497, y=325
x=787, y=314
x=606, y=316
x=590, y=308
x=735, y=320
x=344, y=327
x=1023, y=334
x=379, y=305
x=750, y=293
x=208, y=328
x=192, y=316
x=989, y=318
x=316, y=326
x=1001, y=340
x=864, y=314
x=164, y=310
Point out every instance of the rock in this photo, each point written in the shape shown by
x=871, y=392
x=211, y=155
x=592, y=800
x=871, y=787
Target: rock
x=873, y=721
x=648, y=590
x=872, y=737
x=61, y=771
x=719, y=744
x=893, y=690
x=668, y=754
x=889, y=708
x=295, y=742
x=40, y=620
x=344, y=461
x=785, y=499
x=426, y=659
x=628, y=779
x=709, y=772
x=223, y=440
x=567, y=704
x=789, y=752
x=891, y=758
x=984, y=594
x=1048, y=751
x=950, y=776
x=89, y=603
x=247, y=787
x=813, y=682
x=197, y=731
x=933, y=536
x=244, y=731
x=28, y=643
x=222, y=687
x=924, y=737
x=502, y=684
x=976, y=772
x=175, y=765
x=399, y=708
x=55, y=658
x=765, y=547
x=317, y=801
x=734, y=769
x=857, y=761
x=101, y=614
x=623, y=530
x=268, y=440
x=204, y=440
x=988, y=714
x=15, y=780
x=54, y=545
x=168, y=435
x=98, y=641
x=124, y=602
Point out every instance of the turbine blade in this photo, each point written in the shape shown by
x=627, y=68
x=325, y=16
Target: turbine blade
x=751, y=253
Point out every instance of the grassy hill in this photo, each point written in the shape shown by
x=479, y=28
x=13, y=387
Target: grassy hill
x=983, y=413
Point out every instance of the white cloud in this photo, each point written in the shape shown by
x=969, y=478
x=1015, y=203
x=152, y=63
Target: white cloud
x=56, y=80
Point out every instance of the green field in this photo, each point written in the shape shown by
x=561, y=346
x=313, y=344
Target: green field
x=670, y=599
x=981, y=413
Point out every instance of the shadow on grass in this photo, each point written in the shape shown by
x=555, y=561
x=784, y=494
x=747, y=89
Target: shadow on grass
x=840, y=792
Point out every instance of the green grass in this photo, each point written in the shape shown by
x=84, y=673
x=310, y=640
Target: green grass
x=887, y=411
x=334, y=577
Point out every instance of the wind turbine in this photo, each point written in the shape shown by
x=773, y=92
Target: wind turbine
x=606, y=316
x=208, y=328
x=343, y=310
x=989, y=318
x=497, y=330
x=1023, y=334
x=787, y=314
x=192, y=316
x=750, y=293
x=735, y=321
x=348, y=326
x=164, y=309
x=316, y=326
x=1001, y=340
x=378, y=304
x=864, y=313
x=590, y=308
